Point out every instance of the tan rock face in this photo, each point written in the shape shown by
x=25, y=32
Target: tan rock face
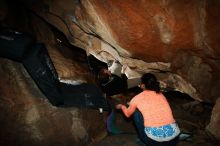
x=27, y=118
x=214, y=124
x=177, y=40
x=148, y=30
x=70, y=62
x=183, y=35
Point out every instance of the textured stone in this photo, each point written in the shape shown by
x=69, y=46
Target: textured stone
x=176, y=40
x=70, y=62
x=27, y=118
x=198, y=73
x=214, y=124
x=158, y=32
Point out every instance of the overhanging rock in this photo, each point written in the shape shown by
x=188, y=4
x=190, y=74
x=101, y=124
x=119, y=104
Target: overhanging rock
x=149, y=31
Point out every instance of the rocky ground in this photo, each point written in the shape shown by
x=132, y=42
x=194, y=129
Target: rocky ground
x=191, y=115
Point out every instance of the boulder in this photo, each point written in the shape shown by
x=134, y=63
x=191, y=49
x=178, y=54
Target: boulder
x=214, y=125
x=177, y=37
x=27, y=117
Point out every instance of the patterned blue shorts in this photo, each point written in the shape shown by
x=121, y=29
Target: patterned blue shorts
x=163, y=133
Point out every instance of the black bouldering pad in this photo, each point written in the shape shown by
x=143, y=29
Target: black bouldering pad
x=36, y=60
x=40, y=67
x=83, y=95
x=14, y=44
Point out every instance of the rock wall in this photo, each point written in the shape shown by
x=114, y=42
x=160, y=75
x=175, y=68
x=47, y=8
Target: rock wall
x=27, y=118
x=70, y=62
x=214, y=124
x=163, y=36
x=176, y=40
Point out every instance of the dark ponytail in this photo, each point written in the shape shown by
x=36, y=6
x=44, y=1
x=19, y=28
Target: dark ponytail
x=150, y=82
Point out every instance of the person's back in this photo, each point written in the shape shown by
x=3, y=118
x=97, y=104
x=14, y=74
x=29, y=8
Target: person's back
x=154, y=108
x=152, y=114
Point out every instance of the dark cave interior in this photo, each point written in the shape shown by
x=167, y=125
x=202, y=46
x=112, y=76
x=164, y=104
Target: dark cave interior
x=28, y=114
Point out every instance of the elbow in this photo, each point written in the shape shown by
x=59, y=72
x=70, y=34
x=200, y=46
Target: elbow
x=125, y=111
x=127, y=115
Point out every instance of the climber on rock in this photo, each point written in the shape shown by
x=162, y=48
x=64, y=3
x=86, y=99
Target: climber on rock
x=113, y=82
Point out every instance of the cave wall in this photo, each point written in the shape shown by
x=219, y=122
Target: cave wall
x=27, y=117
x=147, y=36
x=214, y=124
x=70, y=62
x=176, y=40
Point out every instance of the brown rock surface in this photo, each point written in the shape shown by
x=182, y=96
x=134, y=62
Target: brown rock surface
x=27, y=118
x=70, y=62
x=181, y=35
x=177, y=40
x=214, y=124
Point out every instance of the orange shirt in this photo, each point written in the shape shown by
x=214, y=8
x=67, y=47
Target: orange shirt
x=153, y=106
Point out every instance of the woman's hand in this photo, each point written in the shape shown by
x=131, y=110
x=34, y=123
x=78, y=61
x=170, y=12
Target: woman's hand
x=118, y=106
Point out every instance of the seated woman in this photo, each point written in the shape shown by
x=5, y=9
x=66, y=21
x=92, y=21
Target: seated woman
x=155, y=122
